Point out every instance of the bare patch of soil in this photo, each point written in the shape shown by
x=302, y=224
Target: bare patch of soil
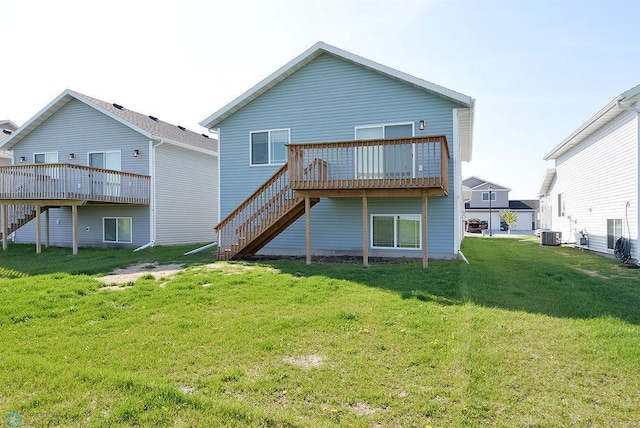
x=133, y=272
x=306, y=361
x=363, y=409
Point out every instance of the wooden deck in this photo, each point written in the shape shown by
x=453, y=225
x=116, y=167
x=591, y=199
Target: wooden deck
x=50, y=184
x=390, y=167
x=405, y=167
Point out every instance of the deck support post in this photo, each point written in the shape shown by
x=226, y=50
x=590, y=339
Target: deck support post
x=307, y=216
x=425, y=241
x=46, y=229
x=365, y=231
x=74, y=227
x=5, y=226
x=38, y=231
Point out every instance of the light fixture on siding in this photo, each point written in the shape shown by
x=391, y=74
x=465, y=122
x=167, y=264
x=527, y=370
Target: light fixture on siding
x=421, y=125
x=136, y=153
x=23, y=159
x=72, y=156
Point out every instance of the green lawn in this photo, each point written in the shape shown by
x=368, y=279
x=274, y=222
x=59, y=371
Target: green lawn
x=522, y=336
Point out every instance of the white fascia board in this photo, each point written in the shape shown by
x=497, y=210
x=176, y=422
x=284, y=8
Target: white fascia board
x=607, y=113
x=187, y=146
x=309, y=55
x=9, y=123
x=261, y=87
x=548, y=178
x=34, y=121
x=113, y=116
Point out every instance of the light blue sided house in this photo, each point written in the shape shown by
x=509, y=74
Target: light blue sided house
x=376, y=152
x=106, y=176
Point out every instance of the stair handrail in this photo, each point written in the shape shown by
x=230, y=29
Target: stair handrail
x=253, y=196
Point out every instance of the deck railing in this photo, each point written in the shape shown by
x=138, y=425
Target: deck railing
x=51, y=181
x=403, y=163
x=255, y=214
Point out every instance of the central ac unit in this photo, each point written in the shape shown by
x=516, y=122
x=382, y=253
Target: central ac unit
x=550, y=238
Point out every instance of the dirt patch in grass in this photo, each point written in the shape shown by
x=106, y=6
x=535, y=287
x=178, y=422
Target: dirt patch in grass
x=363, y=409
x=133, y=272
x=306, y=361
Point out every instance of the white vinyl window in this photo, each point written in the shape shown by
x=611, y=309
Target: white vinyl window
x=269, y=147
x=614, y=232
x=47, y=157
x=485, y=196
x=396, y=231
x=562, y=200
x=384, y=161
x=116, y=229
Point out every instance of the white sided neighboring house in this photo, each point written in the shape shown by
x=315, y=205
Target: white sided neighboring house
x=593, y=189
x=88, y=173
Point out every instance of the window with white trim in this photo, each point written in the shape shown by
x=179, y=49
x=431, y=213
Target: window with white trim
x=396, y=231
x=268, y=147
x=562, y=200
x=485, y=196
x=614, y=232
x=117, y=229
x=46, y=157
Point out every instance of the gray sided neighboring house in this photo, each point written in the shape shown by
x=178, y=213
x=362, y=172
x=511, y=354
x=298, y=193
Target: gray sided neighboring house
x=134, y=180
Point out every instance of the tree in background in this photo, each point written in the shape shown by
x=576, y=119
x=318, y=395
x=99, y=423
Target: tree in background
x=509, y=217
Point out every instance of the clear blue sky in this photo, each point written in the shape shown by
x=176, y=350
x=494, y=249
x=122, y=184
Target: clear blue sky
x=537, y=69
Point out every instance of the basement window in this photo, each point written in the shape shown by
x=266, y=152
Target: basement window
x=396, y=231
x=117, y=229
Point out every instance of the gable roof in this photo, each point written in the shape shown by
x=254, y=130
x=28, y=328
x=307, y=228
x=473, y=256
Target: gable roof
x=475, y=183
x=545, y=187
x=321, y=48
x=607, y=113
x=148, y=126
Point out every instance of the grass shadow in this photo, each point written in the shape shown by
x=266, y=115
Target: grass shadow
x=20, y=260
x=510, y=274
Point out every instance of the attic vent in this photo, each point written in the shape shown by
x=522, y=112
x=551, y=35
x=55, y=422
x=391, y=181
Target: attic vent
x=118, y=106
x=155, y=119
x=182, y=128
x=205, y=135
x=6, y=131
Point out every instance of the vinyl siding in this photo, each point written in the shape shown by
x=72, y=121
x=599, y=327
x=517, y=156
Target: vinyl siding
x=186, y=195
x=324, y=101
x=89, y=226
x=79, y=129
x=598, y=177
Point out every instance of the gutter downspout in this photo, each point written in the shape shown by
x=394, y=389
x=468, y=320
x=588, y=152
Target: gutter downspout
x=458, y=214
x=626, y=107
x=152, y=204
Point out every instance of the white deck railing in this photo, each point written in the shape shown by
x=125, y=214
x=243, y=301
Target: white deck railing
x=72, y=182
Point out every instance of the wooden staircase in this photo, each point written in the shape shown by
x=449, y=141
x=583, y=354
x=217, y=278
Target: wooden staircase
x=19, y=215
x=260, y=218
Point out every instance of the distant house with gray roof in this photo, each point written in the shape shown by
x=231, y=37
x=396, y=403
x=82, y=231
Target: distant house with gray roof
x=486, y=200
x=107, y=176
